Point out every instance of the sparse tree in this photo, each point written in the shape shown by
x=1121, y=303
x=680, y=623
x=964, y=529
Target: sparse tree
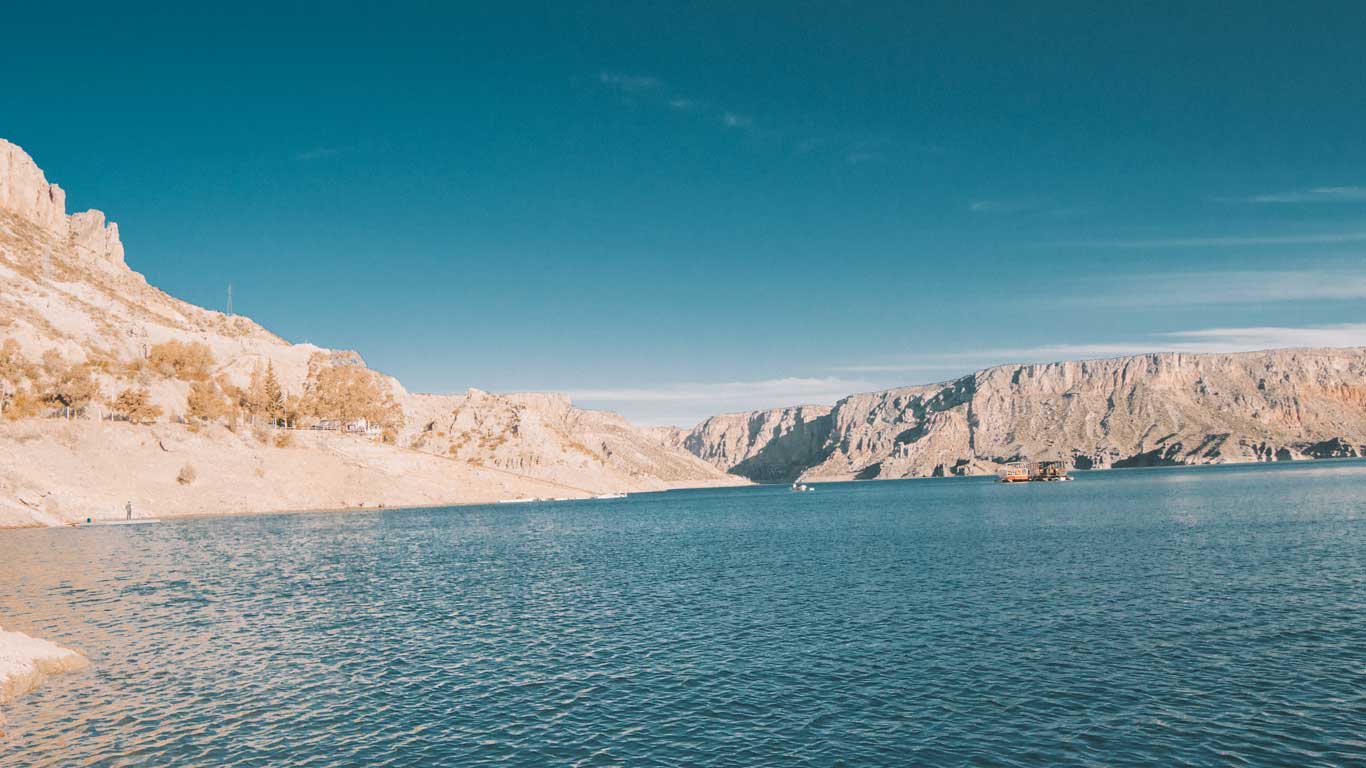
x=135, y=404
x=253, y=398
x=15, y=372
x=273, y=396
x=206, y=402
x=71, y=387
x=350, y=393
x=187, y=361
x=292, y=408
x=24, y=405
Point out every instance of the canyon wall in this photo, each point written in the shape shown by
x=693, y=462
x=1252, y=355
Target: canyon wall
x=1143, y=410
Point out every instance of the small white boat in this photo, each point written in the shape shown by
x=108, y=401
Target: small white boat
x=802, y=487
x=611, y=496
x=516, y=501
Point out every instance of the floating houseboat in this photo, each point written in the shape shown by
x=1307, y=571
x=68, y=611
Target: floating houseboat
x=1034, y=472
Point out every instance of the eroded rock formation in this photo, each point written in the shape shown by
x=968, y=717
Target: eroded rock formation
x=770, y=446
x=1144, y=410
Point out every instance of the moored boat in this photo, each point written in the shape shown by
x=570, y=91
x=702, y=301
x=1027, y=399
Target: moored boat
x=1034, y=472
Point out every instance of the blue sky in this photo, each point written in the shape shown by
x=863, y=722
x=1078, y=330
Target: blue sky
x=673, y=210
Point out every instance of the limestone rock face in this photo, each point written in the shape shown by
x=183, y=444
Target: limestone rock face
x=95, y=239
x=25, y=191
x=1143, y=410
x=26, y=194
x=770, y=446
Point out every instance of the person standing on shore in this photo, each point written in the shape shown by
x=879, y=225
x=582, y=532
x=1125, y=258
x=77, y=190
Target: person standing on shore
x=128, y=510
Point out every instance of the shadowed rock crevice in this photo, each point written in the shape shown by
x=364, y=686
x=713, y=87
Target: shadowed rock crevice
x=1336, y=448
x=786, y=455
x=772, y=446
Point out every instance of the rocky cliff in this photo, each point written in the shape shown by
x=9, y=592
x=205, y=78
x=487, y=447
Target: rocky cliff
x=1143, y=410
x=544, y=435
x=71, y=307
x=770, y=446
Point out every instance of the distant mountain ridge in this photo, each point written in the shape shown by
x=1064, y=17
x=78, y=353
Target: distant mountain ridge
x=1141, y=410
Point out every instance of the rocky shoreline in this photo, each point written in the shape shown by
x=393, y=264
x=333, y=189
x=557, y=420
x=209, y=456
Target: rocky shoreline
x=26, y=661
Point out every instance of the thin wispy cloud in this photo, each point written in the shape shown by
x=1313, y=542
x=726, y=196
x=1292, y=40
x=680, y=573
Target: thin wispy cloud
x=1221, y=242
x=815, y=389
x=629, y=83
x=656, y=91
x=736, y=120
x=683, y=404
x=926, y=367
x=1207, y=340
x=1204, y=340
x=1002, y=206
x=317, y=153
x=1023, y=207
x=1230, y=287
x=686, y=403
x=1315, y=195
x=853, y=151
x=1244, y=339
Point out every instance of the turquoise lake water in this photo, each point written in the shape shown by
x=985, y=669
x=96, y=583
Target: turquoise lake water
x=1208, y=616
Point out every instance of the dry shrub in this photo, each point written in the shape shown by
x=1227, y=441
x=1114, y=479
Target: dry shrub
x=190, y=361
x=206, y=402
x=23, y=405
x=69, y=386
x=284, y=439
x=14, y=368
x=135, y=405
x=262, y=434
x=186, y=475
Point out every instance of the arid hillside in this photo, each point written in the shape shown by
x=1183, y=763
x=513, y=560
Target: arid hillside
x=1145, y=410
x=92, y=357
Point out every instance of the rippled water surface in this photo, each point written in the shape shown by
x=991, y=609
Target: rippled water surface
x=1153, y=617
